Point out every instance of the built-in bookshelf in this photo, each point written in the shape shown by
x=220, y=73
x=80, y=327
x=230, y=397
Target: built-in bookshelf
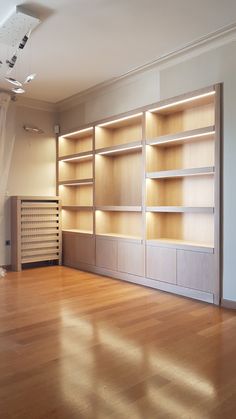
x=146, y=186
x=76, y=181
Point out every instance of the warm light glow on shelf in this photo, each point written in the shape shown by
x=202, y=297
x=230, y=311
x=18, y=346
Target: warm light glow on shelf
x=188, y=137
x=76, y=158
x=180, y=102
x=119, y=120
x=76, y=132
x=118, y=150
x=76, y=184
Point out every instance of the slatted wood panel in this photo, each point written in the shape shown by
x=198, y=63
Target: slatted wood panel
x=36, y=231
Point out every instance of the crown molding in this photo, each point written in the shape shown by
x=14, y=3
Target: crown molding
x=35, y=104
x=212, y=40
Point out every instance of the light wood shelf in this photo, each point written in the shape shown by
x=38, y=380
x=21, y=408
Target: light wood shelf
x=118, y=223
x=77, y=157
x=192, y=227
x=204, y=210
x=183, y=155
x=118, y=180
x=198, y=134
x=119, y=131
x=78, y=195
x=76, y=182
x=78, y=231
x=121, y=149
x=77, y=220
x=181, y=172
x=82, y=170
x=181, y=191
x=182, y=245
x=118, y=236
x=120, y=208
x=78, y=142
x=195, y=114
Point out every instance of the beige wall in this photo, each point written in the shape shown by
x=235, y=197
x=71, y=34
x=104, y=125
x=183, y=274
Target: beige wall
x=33, y=166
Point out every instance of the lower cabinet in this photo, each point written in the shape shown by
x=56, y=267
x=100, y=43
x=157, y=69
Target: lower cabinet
x=195, y=270
x=119, y=255
x=184, y=268
x=161, y=264
x=106, y=253
x=78, y=248
x=130, y=258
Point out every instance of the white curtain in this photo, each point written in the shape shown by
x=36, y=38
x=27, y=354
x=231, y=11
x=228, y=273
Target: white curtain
x=6, y=148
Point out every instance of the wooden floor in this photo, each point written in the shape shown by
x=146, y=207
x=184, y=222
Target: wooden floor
x=76, y=345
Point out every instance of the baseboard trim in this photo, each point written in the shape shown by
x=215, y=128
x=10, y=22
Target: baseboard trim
x=139, y=280
x=228, y=304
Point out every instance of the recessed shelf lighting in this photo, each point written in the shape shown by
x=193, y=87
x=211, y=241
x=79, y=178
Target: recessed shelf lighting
x=118, y=150
x=119, y=120
x=76, y=184
x=188, y=137
x=76, y=132
x=76, y=158
x=180, y=102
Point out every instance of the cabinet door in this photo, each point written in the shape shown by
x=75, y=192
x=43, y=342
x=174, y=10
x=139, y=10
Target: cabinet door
x=78, y=249
x=195, y=270
x=161, y=264
x=106, y=253
x=131, y=258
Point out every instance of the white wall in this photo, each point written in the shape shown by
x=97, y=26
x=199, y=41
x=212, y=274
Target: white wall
x=33, y=166
x=192, y=71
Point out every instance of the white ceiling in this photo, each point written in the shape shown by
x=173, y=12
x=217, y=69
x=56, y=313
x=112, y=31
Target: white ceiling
x=81, y=43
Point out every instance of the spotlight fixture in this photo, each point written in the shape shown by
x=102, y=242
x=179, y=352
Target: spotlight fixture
x=18, y=90
x=33, y=129
x=13, y=81
x=30, y=78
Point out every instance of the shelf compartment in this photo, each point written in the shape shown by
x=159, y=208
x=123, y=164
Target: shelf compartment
x=184, y=155
x=181, y=173
x=77, y=195
x=182, y=191
x=121, y=149
x=119, y=224
x=120, y=131
x=118, y=180
x=75, y=170
x=77, y=220
x=204, y=210
x=183, y=137
x=75, y=158
x=77, y=142
x=196, y=229
x=181, y=115
x=120, y=208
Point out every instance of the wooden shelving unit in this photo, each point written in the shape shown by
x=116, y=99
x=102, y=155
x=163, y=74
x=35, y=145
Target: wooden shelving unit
x=141, y=195
x=36, y=230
